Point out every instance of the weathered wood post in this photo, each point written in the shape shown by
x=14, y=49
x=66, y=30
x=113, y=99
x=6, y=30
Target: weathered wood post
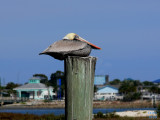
x=79, y=74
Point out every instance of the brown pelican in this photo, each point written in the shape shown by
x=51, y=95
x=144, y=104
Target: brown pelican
x=70, y=45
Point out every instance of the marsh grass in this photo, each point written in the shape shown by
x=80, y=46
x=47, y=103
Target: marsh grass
x=120, y=104
x=18, y=116
x=126, y=118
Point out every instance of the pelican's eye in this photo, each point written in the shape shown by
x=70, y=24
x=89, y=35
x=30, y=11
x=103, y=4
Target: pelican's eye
x=76, y=37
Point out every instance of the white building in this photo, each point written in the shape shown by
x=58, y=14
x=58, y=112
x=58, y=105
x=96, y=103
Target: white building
x=107, y=93
x=35, y=90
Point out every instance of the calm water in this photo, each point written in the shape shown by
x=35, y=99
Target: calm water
x=61, y=111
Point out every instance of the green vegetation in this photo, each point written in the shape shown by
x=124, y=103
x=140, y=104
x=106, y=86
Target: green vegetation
x=10, y=86
x=154, y=89
x=115, y=82
x=53, y=81
x=47, y=101
x=128, y=87
x=132, y=96
x=131, y=88
x=18, y=116
x=107, y=115
x=158, y=111
x=23, y=103
x=147, y=83
x=126, y=118
x=144, y=111
x=95, y=88
x=43, y=77
x=99, y=116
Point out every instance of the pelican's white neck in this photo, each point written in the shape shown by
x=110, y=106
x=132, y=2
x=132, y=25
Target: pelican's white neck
x=65, y=37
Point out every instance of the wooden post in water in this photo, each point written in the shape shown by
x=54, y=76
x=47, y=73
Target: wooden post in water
x=79, y=86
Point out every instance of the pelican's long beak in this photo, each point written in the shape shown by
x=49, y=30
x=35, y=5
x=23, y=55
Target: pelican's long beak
x=92, y=45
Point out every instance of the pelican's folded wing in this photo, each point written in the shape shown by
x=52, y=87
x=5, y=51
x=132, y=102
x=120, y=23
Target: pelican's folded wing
x=65, y=46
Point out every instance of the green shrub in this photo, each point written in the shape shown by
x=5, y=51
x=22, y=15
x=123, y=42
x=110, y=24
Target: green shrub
x=100, y=115
x=46, y=100
x=113, y=115
x=132, y=96
x=23, y=103
x=107, y=115
x=158, y=111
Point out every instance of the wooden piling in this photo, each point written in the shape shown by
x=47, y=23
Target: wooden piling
x=79, y=74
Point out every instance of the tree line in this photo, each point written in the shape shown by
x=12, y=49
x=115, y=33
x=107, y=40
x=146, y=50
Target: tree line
x=131, y=89
x=128, y=87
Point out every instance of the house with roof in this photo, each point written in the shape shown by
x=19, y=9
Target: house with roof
x=108, y=92
x=35, y=90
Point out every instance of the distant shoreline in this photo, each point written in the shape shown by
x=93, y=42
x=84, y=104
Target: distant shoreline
x=61, y=104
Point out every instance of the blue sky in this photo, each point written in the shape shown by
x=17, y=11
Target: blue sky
x=127, y=31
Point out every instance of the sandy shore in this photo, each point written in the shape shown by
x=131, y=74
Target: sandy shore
x=96, y=104
x=137, y=113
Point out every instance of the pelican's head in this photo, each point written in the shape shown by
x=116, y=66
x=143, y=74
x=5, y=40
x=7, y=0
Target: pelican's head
x=74, y=36
x=70, y=36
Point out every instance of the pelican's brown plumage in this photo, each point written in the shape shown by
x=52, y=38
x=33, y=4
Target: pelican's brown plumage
x=70, y=45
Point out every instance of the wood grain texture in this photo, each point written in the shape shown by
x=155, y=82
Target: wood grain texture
x=79, y=73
